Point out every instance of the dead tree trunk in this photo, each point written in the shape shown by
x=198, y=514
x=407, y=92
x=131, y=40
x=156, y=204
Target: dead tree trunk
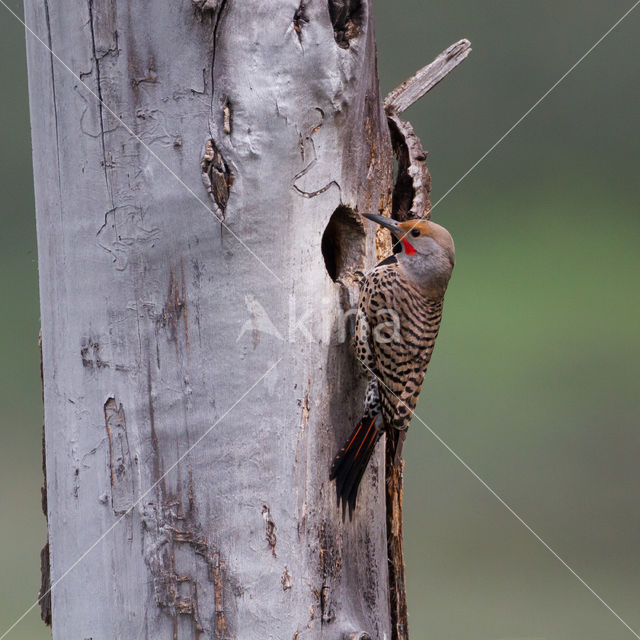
x=198, y=169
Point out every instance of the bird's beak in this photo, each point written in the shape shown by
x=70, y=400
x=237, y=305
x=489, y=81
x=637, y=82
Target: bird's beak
x=387, y=223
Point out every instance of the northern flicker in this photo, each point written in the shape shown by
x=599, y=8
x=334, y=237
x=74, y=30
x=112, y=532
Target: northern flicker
x=397, y=323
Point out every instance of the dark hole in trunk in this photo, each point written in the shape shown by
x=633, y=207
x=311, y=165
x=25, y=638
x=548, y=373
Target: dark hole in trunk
x=347, y=18
x=343, y=244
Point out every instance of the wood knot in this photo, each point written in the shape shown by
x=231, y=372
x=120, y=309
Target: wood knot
x=216, y=176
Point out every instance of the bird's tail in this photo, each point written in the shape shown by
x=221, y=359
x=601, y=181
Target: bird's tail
x=349, y=465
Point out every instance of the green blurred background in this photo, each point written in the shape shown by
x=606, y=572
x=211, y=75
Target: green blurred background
x=535, y=380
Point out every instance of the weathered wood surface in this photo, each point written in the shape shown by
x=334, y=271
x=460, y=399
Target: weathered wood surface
x=423, y=80
x=156, y=319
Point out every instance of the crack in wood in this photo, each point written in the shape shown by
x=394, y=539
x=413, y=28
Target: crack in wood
x=302, y=462
x=308, y=138
x=121, y=465
x=102, y=27
x=285, y=580
x=216, y=9
x=330, y=570
x=270, y=529
x=124, y=233
x=319, y=192
x=300, y=19
x=175, y=309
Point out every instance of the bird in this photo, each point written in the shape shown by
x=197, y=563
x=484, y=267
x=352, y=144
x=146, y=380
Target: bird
x=396, y=326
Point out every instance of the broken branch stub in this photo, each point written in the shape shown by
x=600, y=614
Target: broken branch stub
x=422, y=81
x=413, y=183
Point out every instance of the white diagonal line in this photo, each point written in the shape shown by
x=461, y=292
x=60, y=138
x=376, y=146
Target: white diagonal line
x=533, y=106
x=537, y=102
x=142, y=497
x=505, y=505
x=136, y=136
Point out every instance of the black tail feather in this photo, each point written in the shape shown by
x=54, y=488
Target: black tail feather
x=351, y=462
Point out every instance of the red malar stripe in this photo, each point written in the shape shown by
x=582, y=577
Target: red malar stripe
x=408, y=248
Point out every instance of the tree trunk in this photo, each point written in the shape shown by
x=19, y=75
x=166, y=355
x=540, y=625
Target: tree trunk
x=198, y=249
x=198, y=172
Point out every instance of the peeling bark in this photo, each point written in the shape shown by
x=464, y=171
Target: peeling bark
x=121, y=465
x=413, y=182
x=44, y=595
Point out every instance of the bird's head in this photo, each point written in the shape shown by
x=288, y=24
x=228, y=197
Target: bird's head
x=428, y=253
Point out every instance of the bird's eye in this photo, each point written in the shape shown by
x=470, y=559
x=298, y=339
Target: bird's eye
x=415, y=232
